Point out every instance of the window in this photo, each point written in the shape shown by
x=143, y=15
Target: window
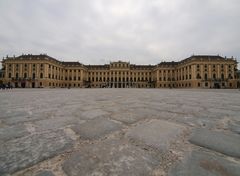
x=205, y=76
x=16, y=75
x=9, y=75
x=206, y=84
x=214, y=76
x=222, y=76
x=33, y=76
x=198, y=67
x=25, y=75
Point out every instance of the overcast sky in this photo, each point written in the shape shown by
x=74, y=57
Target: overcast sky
x=139, y=31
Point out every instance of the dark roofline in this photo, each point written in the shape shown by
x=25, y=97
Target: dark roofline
x=66, y=63
x=71, y=63
x=33, y=56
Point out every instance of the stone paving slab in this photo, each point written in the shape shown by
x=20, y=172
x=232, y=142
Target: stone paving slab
x=235, y=126
x=45, y=173
x=111, y=157
x=96, y=128
x=27, y=151
x=228, y=144
x=12, y=132
x=128, y=117
x=93, y=113
x=156, y=133
x=200, y=163
x=56, y=123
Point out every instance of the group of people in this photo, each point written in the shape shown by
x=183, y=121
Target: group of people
x=6, y=86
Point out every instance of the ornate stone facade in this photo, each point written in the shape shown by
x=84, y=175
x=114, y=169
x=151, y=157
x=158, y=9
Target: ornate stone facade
x=197, y=71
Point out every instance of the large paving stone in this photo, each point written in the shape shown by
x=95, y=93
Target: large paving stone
x=205, y=164
x=127, y=117
x=27, y=151
x=12, y=132
x=235, y=126
x=156, y=133
x=92, y=113
x=96, y=128
x=228, y=144
x=45, y=173
x=56, y=123
x=110, y=157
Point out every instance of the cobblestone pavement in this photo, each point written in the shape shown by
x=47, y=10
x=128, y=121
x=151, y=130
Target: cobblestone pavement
x=72, y=132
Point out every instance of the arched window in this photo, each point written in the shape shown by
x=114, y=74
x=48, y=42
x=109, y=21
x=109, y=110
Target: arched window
x=214, y=76
x=222, y=76
x=198, y=76
x=205, y=76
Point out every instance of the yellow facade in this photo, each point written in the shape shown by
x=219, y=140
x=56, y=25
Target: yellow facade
x=199, y=71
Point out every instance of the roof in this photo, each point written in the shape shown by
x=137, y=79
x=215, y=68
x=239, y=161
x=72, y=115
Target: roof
x=32, y=56
x=168, y=63
x=72, y=63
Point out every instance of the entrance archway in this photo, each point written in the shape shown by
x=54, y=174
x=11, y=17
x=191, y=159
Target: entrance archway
x=23, y=84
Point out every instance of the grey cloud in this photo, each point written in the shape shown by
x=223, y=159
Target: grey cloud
x=139, y=31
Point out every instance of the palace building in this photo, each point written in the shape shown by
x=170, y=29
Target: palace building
x=197, y=71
